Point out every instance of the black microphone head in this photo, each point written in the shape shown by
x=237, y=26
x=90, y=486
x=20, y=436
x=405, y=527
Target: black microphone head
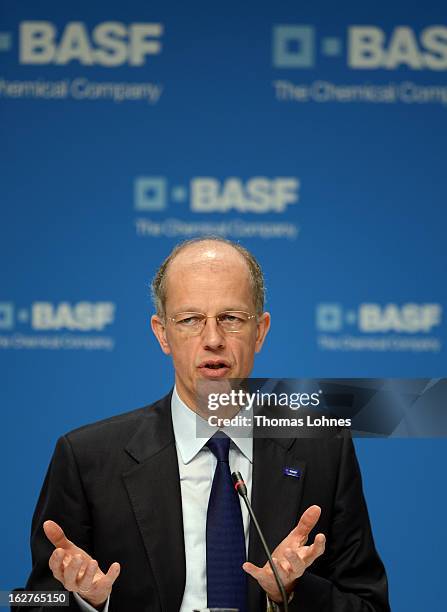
x=236, y=476
x=239, y=483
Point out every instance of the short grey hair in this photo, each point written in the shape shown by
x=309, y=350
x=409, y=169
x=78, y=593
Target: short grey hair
x=158, y=286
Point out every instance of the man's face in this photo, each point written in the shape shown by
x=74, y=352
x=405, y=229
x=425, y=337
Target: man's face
x=209, y=278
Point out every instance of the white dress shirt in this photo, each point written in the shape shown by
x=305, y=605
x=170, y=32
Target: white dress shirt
x=196, y=468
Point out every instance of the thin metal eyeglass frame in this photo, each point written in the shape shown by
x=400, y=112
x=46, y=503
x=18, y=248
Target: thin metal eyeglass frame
x=197, y=331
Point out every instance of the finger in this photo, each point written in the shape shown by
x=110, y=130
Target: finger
x=315, y=550
x=263, y=575
x=83, y=568
x=306, y=523
x=266, y=578
x=286, y=567
x=85, y=583
x=71, y=573
x=56, y=558
x=103, y=586
x=297, y=564
x=56, y=564
x=253, y=570
x=112, y=574
x=283, y=568
x=56, y=535
x=283, y=564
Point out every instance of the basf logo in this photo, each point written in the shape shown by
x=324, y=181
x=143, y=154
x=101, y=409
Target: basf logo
x=57, y=326
x=361, y=49
x=225, y=199
x=257, y=195
x=104, y=45
x=371, y=326
x=109, y=44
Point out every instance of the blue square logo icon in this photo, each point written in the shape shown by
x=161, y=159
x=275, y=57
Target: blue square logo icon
x=150, y=193
x=293, y=46
x=6, y=315
x=329, y=317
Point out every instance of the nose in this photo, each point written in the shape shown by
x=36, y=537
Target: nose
x=212, y=335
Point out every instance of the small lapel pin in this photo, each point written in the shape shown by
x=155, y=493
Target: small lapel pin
x=295, y=472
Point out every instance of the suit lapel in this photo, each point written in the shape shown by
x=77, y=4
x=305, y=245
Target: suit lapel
x=153, y=486
x=275, y=499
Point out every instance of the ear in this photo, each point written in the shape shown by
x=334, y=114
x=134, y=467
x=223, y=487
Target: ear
x=262, y=330
x=159, y=329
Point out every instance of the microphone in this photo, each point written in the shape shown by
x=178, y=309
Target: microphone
x=241, y=488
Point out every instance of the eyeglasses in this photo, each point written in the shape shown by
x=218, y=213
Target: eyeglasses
x=193, y=323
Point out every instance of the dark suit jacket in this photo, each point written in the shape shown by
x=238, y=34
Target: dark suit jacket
x=114, y=488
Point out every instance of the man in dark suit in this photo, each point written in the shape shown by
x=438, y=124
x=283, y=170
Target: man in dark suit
x=131, y=492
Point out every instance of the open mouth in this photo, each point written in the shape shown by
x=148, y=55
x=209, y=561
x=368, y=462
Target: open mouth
x=214, y=368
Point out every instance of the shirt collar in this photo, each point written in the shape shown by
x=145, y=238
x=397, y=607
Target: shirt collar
x=188, y=444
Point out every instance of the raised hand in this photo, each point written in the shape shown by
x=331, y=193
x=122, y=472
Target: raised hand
x=76, y=569
x=291, y=557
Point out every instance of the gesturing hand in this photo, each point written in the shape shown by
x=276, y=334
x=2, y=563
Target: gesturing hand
x=291, y=556
x=77, y=571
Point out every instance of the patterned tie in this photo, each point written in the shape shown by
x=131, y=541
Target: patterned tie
x=225, y=539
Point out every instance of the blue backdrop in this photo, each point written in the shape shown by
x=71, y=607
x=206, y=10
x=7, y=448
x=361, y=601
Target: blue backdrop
x=314, y=134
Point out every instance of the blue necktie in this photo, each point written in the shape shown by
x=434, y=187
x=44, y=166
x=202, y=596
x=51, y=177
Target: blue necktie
x=225, y=539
